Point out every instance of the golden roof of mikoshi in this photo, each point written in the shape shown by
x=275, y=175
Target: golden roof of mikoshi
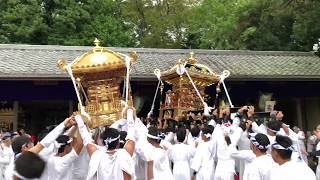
x=198, y=72
x=98, y=59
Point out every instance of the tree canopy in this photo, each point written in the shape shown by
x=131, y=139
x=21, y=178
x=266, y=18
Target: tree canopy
x=208, y=24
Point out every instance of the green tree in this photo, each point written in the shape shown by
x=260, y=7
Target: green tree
x=213, y=24
x=78, y=22
x=160, y=24
x=22, y=22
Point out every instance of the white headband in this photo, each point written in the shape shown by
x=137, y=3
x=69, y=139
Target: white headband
x=110, y=140
x=276, y=145
x=208, y=135
x=58, y=145
x=158, y=137
x=274, y=131
x=256, y=143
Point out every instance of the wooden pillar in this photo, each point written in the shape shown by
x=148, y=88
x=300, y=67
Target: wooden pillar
x=299, y=113
x=70, y=107
x=15, y=117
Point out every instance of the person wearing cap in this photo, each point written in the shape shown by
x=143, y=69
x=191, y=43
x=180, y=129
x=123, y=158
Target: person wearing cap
x=288, y=169
x=203, y=163
x=181, y=154
x=6, y=154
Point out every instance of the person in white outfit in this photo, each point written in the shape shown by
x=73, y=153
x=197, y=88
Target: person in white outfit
x=261, y=166
x=288, y=169
x=161, y=165
x=57, y=166
x=181, y=155
x=38, y=169
x=110, y=162
x=301, y=143
x=6, y=154
x=317, y=133
x=203, y=163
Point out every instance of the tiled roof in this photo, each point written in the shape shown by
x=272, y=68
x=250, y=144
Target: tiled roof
x=39, y=62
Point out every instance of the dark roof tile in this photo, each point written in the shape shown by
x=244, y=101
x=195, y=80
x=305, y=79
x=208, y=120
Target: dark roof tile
x=39, y=61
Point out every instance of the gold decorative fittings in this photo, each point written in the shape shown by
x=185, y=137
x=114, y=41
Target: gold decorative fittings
x=183, y=97
x=192, y=59
x=62, y=64
x=100, y=72
x=96, y=42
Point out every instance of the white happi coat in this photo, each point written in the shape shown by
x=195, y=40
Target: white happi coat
x=260, y=168
x=245, y=157
x=161, y=165
x=143, y=154
x=226, y=164
x=293, y=170
x=318, y=156
x=105, y=166
x=181, y=155
x=204, y=160
x=81, y=165
x=302, y=146
x=243, y=144
x=6, y=158
x=193, y=141
x=59, y=167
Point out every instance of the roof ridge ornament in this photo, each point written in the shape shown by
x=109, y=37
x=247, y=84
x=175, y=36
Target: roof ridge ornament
x=192, y=59
x=96, y=42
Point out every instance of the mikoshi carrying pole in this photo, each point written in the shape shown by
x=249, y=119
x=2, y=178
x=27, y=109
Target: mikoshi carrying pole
x=157, y=72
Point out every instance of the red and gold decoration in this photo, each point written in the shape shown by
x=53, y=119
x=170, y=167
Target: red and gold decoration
x=183, y=97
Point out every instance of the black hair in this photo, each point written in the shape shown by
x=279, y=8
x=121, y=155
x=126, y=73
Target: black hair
x=286, y=142
x=45, y=132
x=18, y=142
x=181, y=134
x=27, y=169
x=154, y=132
x=63, y=140
x=123, y=135
x=211, y=128
x=274, y=125
x=263, y=140
x=207, y=130
x=110, y=133
x=195, y=131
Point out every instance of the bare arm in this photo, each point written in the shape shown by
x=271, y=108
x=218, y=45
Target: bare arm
x=78, y=144
x=51, y=137
x=126, y=176
x=86, y=137
x=37, y=148
x=129, y=147
x=91, y=148
x=150, y=170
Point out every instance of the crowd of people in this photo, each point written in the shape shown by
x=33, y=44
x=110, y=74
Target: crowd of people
x=221, y=146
